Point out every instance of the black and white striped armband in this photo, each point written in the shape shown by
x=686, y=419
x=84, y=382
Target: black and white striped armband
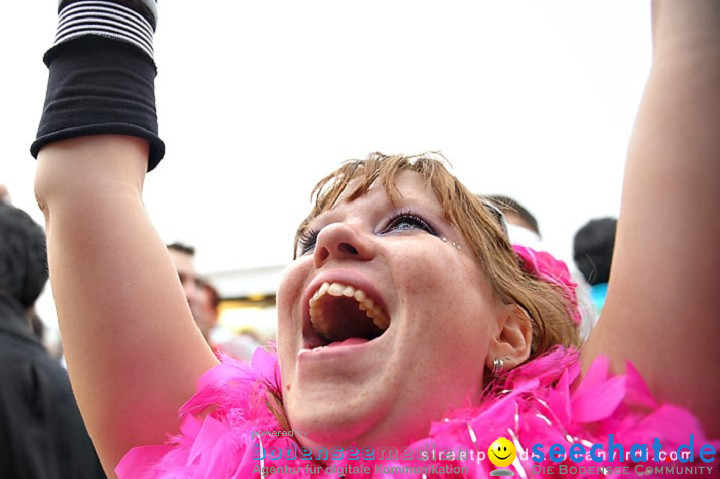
x=102, y=74
x=131, y=22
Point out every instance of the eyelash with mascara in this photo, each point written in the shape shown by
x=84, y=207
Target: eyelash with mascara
x=307, y=240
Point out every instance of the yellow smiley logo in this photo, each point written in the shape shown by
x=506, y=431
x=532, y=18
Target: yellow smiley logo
x=501, y=452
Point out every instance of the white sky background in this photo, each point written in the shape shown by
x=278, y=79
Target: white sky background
x=258, y=100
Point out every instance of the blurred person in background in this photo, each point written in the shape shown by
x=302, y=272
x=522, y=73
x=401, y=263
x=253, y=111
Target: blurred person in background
x=523, y=227
x=36, y=324
x=593, y=247
x=4, y=194
x=204, y=299
x=201, y=297
x=42, y=435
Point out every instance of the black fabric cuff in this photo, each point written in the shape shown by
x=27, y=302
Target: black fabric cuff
x=99, y=85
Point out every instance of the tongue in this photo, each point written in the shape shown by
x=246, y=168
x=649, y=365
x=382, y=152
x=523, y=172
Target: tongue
x=348, y=342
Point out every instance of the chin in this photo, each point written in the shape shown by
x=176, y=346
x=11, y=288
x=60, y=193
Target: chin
x=335, y=423
x=358, y=422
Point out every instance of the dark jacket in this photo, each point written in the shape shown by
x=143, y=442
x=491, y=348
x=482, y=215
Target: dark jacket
x=42, y=435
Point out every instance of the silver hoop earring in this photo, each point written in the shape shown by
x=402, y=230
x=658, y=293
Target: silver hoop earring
x=497, y=365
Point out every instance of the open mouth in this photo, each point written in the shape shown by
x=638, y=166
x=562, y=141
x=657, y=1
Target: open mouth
x=343, y=314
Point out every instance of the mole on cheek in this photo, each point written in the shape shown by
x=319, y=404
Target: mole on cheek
x=287, y=386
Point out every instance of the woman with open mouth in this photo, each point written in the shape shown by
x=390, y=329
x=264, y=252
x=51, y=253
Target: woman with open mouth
x=411, y=333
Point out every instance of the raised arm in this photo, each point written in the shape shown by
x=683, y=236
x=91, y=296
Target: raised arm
x=133, y=351
x=663, y=306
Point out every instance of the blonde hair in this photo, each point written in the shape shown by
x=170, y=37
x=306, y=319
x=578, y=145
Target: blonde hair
x=545, y=304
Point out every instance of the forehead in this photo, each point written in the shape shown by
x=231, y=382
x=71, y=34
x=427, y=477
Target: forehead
x=412, y=188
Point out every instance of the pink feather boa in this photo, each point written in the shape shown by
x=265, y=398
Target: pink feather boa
x=533, y=403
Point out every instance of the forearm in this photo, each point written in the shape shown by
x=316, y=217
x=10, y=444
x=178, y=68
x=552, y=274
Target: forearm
x=72, y=170
x=123, y=316
x=684, y=27
x=661, y=312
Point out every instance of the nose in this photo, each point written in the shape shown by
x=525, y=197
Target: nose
x=342, y=241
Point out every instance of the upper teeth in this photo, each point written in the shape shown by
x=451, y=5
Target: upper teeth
x=372, y=311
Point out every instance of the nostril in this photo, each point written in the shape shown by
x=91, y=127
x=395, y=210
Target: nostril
x=347, y=248
x=324, y=253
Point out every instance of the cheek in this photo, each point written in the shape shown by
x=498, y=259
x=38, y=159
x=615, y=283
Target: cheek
x=449, y=304
x=445, y=278
x=288, y=300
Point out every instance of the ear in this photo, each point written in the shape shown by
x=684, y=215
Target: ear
x=513, y=338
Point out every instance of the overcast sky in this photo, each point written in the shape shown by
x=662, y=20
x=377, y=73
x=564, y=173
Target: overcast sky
x=258, y=100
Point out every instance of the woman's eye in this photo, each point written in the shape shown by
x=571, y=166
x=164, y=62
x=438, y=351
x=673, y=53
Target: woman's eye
x=400, y=222
x=307, y=240
x=409, y=221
